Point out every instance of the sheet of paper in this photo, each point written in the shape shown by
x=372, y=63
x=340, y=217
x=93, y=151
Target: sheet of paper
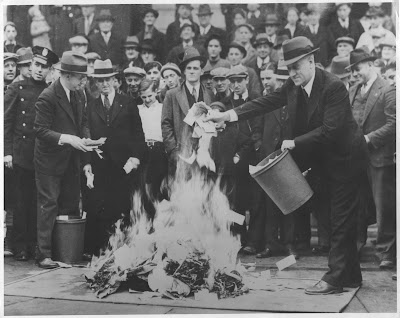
x=62, y=217
x=266, y=274
x=286, y=262
x=90, y=180
x=235, y=217
x=128, y=166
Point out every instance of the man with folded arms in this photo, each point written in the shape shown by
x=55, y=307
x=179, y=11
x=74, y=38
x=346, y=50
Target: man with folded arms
x=324, y=136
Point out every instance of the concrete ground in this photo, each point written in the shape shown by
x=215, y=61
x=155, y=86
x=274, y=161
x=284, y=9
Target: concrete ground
x=377, y=295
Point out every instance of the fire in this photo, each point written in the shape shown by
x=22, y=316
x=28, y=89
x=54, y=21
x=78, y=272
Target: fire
x=187, y=247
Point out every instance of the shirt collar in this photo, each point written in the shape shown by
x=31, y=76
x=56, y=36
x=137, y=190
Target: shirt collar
x=190, y=87
x=272, y=37
x=206, y=29
x=261, y=61
x=186, y=44
x=67, y=91
x=183, y=21
x=256, y=13
x=11, y=42
x=245, y=95
x=370, y=82
x=309, y=85
x=111, y=97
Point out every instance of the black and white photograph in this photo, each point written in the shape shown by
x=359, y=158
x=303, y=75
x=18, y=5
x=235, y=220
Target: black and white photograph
x=234, y=158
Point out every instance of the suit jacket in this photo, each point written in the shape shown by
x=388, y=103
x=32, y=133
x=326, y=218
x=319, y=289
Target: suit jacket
x=19, y=116
x=173, y=56
x=379, y=121
x=113, y=50
x=79, y=26
x=320, y=40
x=158, y=39
x=54, y=116
x=333, y=143
x=125, y=137
x=177, y=135
x=254, y=86
x=298, y=31
x=173, y=37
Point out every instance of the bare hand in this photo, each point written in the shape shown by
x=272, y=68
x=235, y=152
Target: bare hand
x=135, y=162
x=8, y=161
x=87, y=168
x=220, y=126
x=287, y=144
x=78, y=143
x=217, y=117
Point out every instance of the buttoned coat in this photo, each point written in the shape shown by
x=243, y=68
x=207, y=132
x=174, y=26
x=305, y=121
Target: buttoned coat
x=320, y=40
x=54, y=116
x=19, y=116
x=177, y=135
x=334, y=144
x=379, y=121
x=113, y=50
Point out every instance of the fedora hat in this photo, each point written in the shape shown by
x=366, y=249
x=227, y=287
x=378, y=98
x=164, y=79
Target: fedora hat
x=262, y=38
x=358, y=56
x=374, y=12
x=25, y=55
x=296, y=48
x=345, y=39
x=191, y=54
x=339, y=66
x=272, y=19
x=281, y=72
x=239, y=47
x=172, y=67
x=150, y=10
x=73, y=62
x=103, y=69
x=44, y=56
x=204, y=9
x=105, y=15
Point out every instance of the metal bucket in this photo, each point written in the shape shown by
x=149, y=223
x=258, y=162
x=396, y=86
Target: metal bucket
x=283, y=181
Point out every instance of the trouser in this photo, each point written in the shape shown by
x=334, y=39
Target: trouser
x=321, y=211
x=56, y=195
x=25, y=216
x=343, y=263
x=383, y=184
x=155, y=169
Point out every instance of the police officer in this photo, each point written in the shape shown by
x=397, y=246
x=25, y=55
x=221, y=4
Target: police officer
x=19, y=140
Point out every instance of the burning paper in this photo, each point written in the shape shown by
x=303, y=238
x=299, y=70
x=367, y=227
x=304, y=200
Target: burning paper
x=286, y=262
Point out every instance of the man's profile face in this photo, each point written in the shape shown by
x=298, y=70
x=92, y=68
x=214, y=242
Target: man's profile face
x=171, y=78
x=361, y=72
x=133, y=82
x=238, y=84
x=221, y=84
x=301, y=71
x=10, y=70
x=268, y=80
x=39, y=71
x=105, y=84
x=263, y=50
x=193, y=71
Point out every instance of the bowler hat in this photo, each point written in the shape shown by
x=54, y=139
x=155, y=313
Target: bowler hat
x=72, y=62
x=172, y=67
x=44, y=55
x=338, y=66
x=131, y=41
x=191, y=54
x=238, y=71
x=262, y=38
x=296, y=48
x=92, y=56
x=103, y=69
x=25, y=55
x=150, y=10
x=10, y=56
x=281, y=72
x=135, y=71
x=359, y=55
x=239, y=47
x=272, y=19
x=220, y=72
x=345, y=39
x=204, y=9
x=105, y=15
x=374, y=12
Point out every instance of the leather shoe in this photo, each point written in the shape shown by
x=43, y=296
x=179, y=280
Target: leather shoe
x=264, y=254
x=387, y=265
x=323, y=288
x=292, y=251
x=248, y=250
x=21, y=256
x=320, y=250
x=47, y=263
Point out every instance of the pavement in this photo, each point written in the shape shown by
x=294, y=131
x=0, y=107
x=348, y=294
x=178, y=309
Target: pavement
x=378, y=293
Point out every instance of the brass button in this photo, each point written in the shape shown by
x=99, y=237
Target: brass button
x=24, y=124
x=23, y=137
x=22, y=99
x=23, y=112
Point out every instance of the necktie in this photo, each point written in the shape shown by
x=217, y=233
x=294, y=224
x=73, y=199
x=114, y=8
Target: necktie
x=305, y=95
x=87, y=25
x=194, y=93
x=107, y=104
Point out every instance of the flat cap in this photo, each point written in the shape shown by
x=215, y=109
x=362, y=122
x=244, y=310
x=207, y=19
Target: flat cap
x=172, y=67
x=135, y=70
x=238, y=71
x=220, y=72
x=10, y=56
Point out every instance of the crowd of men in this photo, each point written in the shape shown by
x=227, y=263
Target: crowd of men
x=325, y=91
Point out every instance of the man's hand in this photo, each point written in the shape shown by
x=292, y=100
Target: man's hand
x=8, y=161
x=135, y=162
x=131, y=163
x=287, y=144
x=75, y=142
x=87, y=168
x=217, y=117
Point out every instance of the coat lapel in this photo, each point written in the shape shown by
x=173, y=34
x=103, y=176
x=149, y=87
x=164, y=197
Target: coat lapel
x=116, y=107
x=98, y=107
x=292, y=104
x=352, y=93
x=182, y=99
x=372, y=97
x=315, y=94
x=63, y=100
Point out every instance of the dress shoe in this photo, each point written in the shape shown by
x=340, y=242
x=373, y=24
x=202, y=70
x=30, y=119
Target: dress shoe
x=21, y=256
x=323, y=288
x=87, y=257
x=387, y=265
x=47, y=263
x=248, y=250
x=292, y=251
x=320, y=250
x=264, y=254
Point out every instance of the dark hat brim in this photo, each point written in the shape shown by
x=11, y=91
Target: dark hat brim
x=295, y=59
x=367, y=59
x=60, y=68
x=202, y=60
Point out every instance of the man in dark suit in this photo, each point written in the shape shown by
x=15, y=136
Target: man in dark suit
x=324, y=137
x=206, y=28
x=60, y=124
x=107, y=43
x=184, y=16
x=86, y=24
x=177, y=135
x=318, y=34
x=373, y=102
x=150, y=32
x=115, y=117
x=19, y=141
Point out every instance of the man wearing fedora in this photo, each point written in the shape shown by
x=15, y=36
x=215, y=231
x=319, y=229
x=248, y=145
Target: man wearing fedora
x=322, y=135
x=60, y=124
x=150, y=32
x=183, y=16
x=373, y=102
x=24, y=63
x=318, y=35
x=86, y=23
x=177, y=135
x=107, y=43
x=206, y=29
x=19, y=141
x=115, y=117
x=271, y=27
x=132, y=53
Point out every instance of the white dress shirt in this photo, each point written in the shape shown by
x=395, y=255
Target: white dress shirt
x=314, y=28
x=255, y=13
x=151, y=121
x=309, y=85
x=106, y=36
x=345, y=23
x=261, y=61
x=291, y=28
x=88, y=23
x=204, y=31
x=245, y=95
x=365, y=88
x=190, y=88
x=272, y=38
